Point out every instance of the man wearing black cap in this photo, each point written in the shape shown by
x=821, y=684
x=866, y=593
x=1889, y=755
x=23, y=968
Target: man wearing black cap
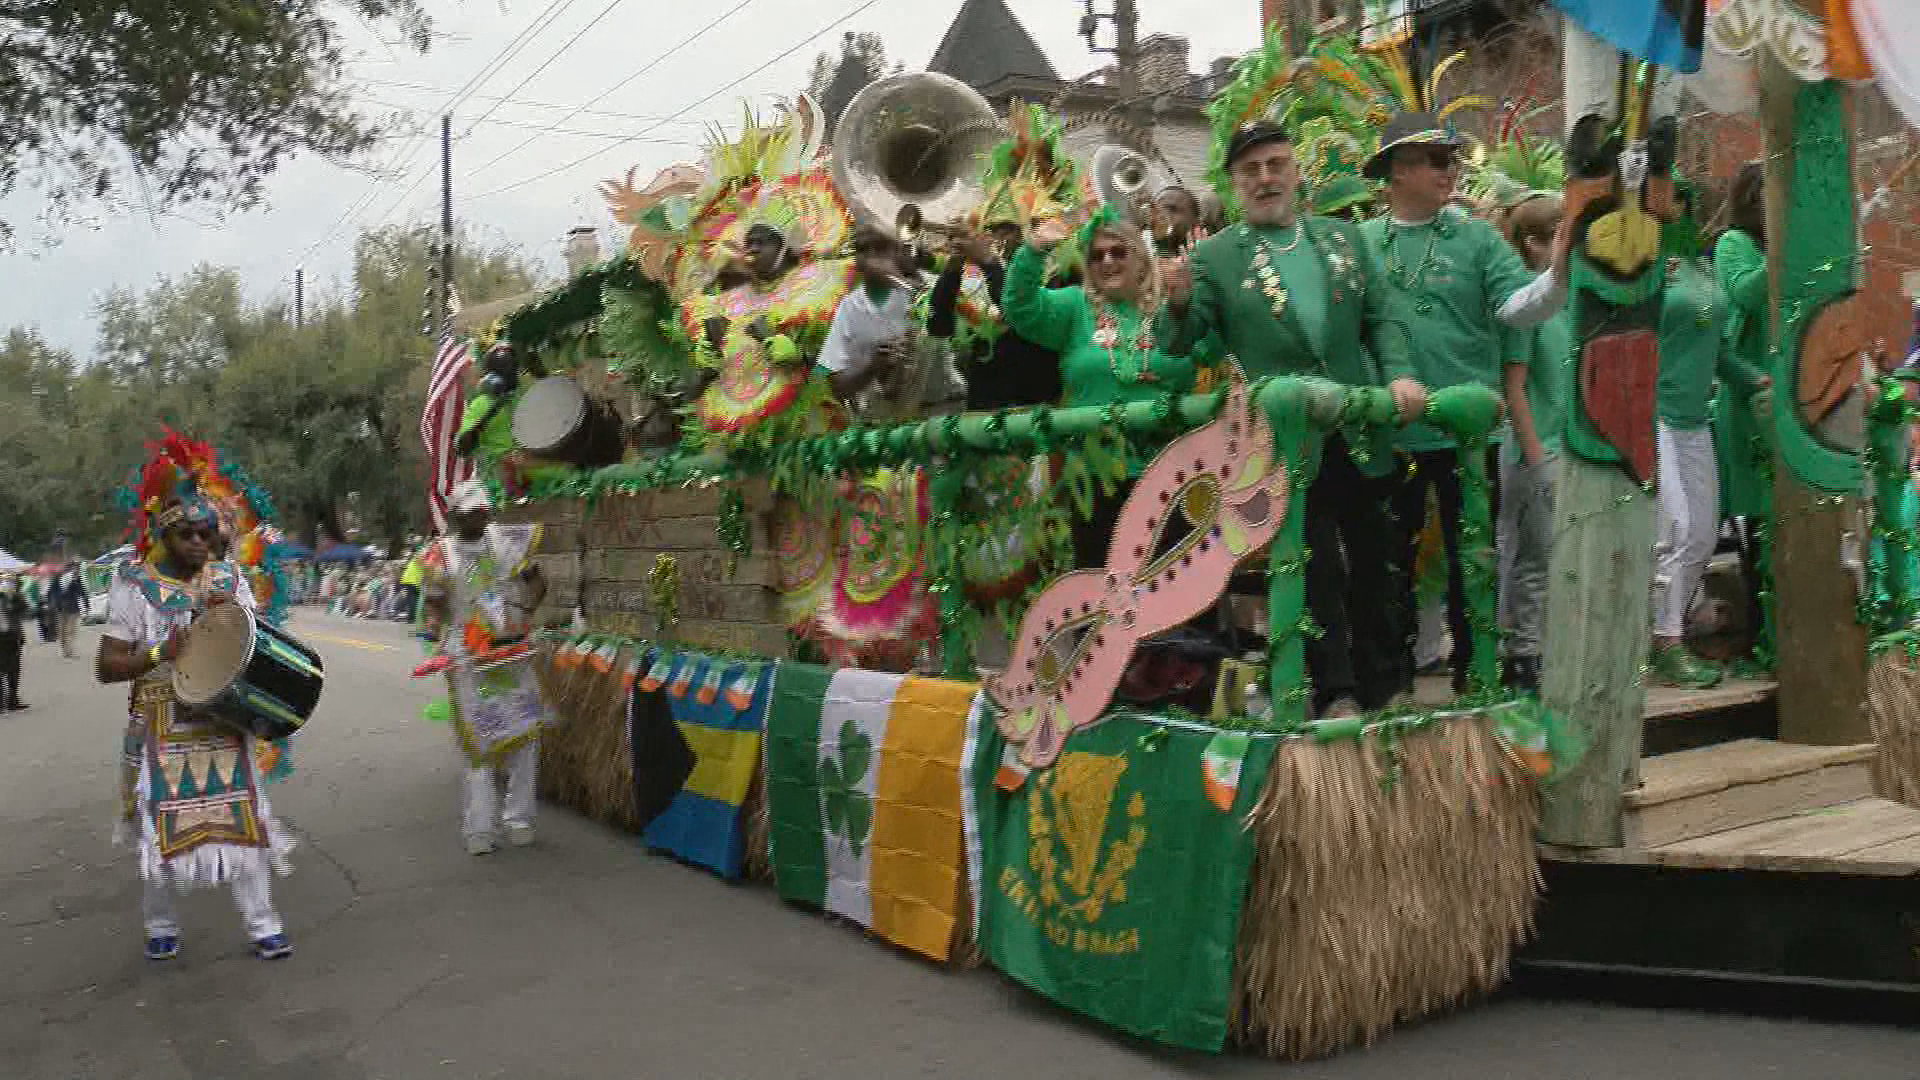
x=1461, y=288
x=1287, y=294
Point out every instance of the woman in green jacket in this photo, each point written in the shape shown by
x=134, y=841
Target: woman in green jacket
x=1693, y=317
x=1739, y=426
x=1103, y=331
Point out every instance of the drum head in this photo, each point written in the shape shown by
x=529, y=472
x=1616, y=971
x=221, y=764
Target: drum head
x=548, y=413
x=217, y=648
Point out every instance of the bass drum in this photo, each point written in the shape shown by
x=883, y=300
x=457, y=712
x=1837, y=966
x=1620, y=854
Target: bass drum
x=557, y=421
x=247, y=674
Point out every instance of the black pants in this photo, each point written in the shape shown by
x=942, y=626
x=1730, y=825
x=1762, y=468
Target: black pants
x=1351, y=583
x=409, y=601
x=10, y=645
x=1092, y=536
x=1435, y=469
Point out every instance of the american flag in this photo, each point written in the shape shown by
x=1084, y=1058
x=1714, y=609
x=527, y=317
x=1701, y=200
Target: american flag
x=440, y=422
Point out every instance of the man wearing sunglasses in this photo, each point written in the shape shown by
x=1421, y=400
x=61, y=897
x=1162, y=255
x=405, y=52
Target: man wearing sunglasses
x=190, y=795
x=1461, y=288
x=1285, y=293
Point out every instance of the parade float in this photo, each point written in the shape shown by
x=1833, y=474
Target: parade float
x=845, y=652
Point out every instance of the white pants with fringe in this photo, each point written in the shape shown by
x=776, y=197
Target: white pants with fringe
x=480, y=797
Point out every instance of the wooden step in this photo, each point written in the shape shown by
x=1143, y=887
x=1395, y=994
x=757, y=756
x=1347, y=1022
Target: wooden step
x=1865, y=836
x=1670, y=701
x=1713, y=789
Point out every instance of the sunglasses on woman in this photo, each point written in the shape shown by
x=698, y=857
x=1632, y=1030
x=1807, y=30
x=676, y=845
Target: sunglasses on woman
x=1115, y=253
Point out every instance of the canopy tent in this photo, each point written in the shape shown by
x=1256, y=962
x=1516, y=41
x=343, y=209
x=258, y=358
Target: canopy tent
x=9, y=564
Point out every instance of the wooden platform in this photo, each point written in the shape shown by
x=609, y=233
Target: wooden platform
x=1663, y=702
x=1755, y=804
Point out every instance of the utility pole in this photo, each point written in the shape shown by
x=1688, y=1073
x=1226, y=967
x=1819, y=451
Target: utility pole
x=443, y=314
x=1125, y=18
x=299, y=295
x=1126, y=57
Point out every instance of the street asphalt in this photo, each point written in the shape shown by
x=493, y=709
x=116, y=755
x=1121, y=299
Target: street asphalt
x=584, y=957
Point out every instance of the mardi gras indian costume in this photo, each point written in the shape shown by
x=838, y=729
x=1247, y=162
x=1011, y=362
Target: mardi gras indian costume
x=191, y=796
x=496, y=708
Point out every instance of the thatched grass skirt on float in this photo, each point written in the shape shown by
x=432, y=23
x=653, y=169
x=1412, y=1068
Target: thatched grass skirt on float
x=1893, y=712
x=191, y=794
x=1388, y=883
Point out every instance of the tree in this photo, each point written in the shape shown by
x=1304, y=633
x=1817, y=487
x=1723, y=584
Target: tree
x=179, y=102
x=834, y=80
x=322, y=415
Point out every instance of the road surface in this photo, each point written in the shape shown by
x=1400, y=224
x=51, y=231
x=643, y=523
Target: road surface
x=583, y=957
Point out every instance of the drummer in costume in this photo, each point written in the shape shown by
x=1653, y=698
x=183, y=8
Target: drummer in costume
x=190, y=795
x=479, y=593
x=1292, y=294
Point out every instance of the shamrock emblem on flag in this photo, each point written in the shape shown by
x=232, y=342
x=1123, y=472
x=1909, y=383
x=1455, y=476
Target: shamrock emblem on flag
x=849, y=809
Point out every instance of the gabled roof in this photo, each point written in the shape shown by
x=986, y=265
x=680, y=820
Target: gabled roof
x=986, y=43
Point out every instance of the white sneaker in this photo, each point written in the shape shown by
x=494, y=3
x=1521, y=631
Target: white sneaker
x=480, y=844
x=519, y=833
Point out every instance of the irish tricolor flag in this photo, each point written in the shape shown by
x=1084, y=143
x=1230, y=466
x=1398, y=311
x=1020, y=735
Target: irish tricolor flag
x=865, y=775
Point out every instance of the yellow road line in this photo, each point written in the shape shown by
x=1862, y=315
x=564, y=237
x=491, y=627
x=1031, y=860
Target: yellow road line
x=370, y=646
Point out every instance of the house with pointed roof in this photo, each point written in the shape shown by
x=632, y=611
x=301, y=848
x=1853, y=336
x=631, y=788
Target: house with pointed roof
x=988, y=48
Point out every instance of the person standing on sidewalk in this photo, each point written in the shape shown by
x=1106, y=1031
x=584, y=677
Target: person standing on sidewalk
x=13, y=639
x=67, y=597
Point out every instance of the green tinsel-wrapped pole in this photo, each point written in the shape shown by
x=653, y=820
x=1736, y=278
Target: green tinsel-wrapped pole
x=1889, y=604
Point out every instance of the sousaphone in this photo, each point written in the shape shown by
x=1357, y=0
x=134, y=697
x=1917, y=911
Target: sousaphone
x=908, y=151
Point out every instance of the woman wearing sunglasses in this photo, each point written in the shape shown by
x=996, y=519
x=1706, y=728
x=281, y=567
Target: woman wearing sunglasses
x=1104, y=333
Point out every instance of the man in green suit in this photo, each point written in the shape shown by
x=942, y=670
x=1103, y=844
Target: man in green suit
x=1285, y=294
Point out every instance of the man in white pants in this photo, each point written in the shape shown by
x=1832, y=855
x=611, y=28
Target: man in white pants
x=480, y=591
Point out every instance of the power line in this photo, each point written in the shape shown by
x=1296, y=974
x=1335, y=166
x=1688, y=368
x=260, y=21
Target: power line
x=531, y=126
x=551, y=57
x=794, y=48
x=530, y=103
x=604, y=94
x=507, y=52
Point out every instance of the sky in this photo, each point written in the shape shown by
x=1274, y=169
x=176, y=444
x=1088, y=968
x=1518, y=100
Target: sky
x=524, y=170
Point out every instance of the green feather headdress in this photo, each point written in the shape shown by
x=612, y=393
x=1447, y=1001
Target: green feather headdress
x=1029, y=175
x=1347, y=87
x=1518, y=164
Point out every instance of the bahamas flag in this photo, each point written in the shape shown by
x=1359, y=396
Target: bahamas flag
x=720, y=707
x=867, y=775
x=1663, y=32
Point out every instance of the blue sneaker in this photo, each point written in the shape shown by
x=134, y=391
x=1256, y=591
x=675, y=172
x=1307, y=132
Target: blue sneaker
x=162, y=948
x=273, y=947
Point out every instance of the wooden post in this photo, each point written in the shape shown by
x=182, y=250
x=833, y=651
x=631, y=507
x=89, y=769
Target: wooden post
x=1822, y=666
x=1600, y=571
x=1597, y=617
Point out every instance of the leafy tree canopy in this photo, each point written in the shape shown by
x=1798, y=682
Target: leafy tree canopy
x=324, y=414
x=176, y=102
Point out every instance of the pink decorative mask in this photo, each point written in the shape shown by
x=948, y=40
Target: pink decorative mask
x=1209, y=498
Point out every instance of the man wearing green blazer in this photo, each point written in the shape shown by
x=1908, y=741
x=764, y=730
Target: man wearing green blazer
x=1285, y=294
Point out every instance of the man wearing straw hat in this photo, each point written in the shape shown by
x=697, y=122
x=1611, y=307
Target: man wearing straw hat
x=480, y=589
x=1458, y=284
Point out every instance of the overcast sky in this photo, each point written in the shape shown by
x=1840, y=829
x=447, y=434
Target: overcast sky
x=314, y=210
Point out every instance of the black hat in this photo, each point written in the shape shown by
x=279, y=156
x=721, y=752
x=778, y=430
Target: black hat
x=1257, y=133
x=1409, y=129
